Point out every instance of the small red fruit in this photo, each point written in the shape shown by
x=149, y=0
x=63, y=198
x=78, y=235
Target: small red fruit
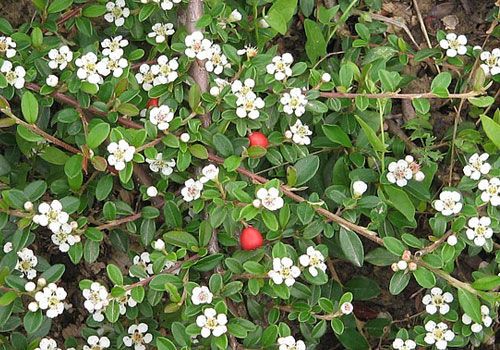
x=258, y=139
x=153, y=102
x=251, y=239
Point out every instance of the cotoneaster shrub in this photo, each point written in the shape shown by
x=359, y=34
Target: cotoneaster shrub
x=182, y=175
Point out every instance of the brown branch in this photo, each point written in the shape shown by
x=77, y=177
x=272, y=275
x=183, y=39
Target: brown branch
x=363, y=231
x=118, y=222
x=399, y=96
x=429, y=249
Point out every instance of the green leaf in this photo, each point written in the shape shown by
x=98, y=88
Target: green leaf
x=194, y=96
x=280, y=13
x=29, y=107
x=352, y=247
x=53, y=273
x=180, y=239
x=492, y=129
x=482, y=101
x=223, y=145
x=440, y=83
x=316, y=43
x=425, y=277
x=54, y=155
x=398, y=282
x=394, y=245
x=98, y=134
x=306, y=169
x=363, y=288
x=94, y=10
x=113, y=311
x=59, y=6
x=8, y=298
x=486, y=283
x=115, y=274
x=470, y=304
x=33, y=321
x=371, y=135
x=336, y=134
x=165, y=344
x=270, y=220
x=401, y=202
x=389, y=80
x=337, y=326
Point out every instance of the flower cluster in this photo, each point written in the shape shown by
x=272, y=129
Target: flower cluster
x=268, y=198
x=192, y=188
x=403, y=170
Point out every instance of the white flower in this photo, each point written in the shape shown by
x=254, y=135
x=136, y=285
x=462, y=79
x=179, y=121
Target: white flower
x=358, y=188
x=88, y=68
x=59, y=58
x=314, y=259
x=201, y=295
x=51, y=298
x=491, y=62
x=114, y=47
x=126, y=300
x=216, y=60
x=280, y=66
x=289, y=343
x=402, y=265
x=96, y=343
x=146, y=77
x=7, y=46
x=160, y=31
x=51, y=215
x=108, y=65
x=28, y=206
x=270, y=199
x=161, y=117
x=250, y=51
x=249, y=106
x=294, y=102
x=143, y=260
x=120, y=154
x=477, y=166
x=210, y=172
x=299, y=133
x=485, y=318
x=197, y=46
x=449, y=203
x=399, y=173
x=346, y=308
x=47, y=344
x=26, y=263
x=185, y=137
x=52, y=80
x=169, y=4
x=64, y=238
x=14, y=77
x=191, y=190
x=284, y=271
x=454, y=45
x=7, y=247
x=138, y=336
x=491, y=191
x=437, y=301
x=152, y=191
x=212, y=323
x=117, y=12
x=479, y=230
x=438, y=334
x=166, y=167
x=165, y=71
x=242, y=89
x=235, y=16
x=96, y=300
x=400, y=344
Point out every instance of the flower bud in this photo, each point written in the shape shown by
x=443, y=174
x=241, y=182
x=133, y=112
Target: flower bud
x=394, y=267
x=288, y=134
x=185, y=137
x=33, y=306
x=263, y=23
x=214, y=91
x=30, y=286
x=28, y=206
x=452, y=240
x=326, y=77
x=152, y=191
x=42, y=282
x=358, y=188
x=235, y=16
x=256, y=203
x=412, y=266
x=406, y=255
x=7, y=247
x=346, y=308
x=52, y=80
x=402, y=265
x=159, y=245
x=419, y=176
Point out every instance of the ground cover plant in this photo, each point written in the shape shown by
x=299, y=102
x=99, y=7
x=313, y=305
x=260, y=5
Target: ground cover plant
x=251, y=174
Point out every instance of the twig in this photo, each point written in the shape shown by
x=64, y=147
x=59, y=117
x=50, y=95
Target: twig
x=400, y=96
x=434, y=246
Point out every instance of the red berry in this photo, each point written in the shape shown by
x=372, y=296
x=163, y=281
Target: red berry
x=153, y=102
x=258, y=139
x=251, y=239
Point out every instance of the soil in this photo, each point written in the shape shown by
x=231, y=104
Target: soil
x=463, y=16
